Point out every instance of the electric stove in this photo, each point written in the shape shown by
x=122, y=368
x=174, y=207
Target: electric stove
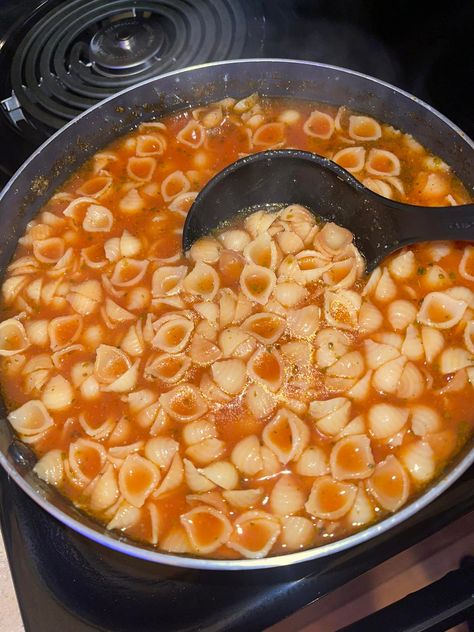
x=59, y=57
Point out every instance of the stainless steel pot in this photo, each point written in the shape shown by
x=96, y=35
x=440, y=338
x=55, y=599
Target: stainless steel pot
x=64, y=152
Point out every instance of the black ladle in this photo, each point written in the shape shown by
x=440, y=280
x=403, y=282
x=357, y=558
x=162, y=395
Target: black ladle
x=287, y=176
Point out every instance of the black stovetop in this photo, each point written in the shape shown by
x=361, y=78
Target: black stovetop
x=71, y=584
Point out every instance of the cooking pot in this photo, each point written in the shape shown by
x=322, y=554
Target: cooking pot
x=51, y=164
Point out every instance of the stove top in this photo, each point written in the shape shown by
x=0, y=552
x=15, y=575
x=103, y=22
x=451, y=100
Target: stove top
x=58, y=57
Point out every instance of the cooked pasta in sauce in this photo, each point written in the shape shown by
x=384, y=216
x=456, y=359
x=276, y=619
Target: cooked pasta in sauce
x=260, y=394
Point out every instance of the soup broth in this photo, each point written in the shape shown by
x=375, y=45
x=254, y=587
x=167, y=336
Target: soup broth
x=259, y=394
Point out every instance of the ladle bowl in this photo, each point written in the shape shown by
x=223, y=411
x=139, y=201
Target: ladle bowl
x=288, y=176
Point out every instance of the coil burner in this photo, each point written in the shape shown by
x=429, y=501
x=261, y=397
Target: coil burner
x=80, y=52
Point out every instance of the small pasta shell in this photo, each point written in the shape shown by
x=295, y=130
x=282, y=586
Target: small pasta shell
x=86, y=460
x=386, y=378
x=441, y=311
x=98, y=219
x=400, y=314
x=128, y=272
x=243, y=498
x=312, y=462
x=206, y=451
x=95, y=187
x=141, y=169
x=182, y=203
x=333, y=239
x=386, y=289
x=364, y=128
x=126, y=382
x=266, y=367
x=403, y=266
x=289, y=294
x=221, y=473
x=169, y=368
x=234, y=239
x=48, y=250
x=261, y=252
x=246, y=456
x=330, y=499
x=257, y=283
x=260, y=403
x=297, y=532
x=206, y=249
x=203, y=352
x=433, y=342
x=184, y=403
x=412, y=346
x=126, y=516
x=289, y=242
x=58, y=393
x=378, y=186
x=412, y=382
x=255, y=532
x=331, y=415
x=381, y=162
x=361, y=389
x=176, y=541
x=206, y=528
x=199, y=430
x=342, y=274
x=362, y=511
x=230, y=375
x=131, y=203
x=377, y=354
x=341, y=308
x=453, y=359
x=425, y=420
x=259, y=222
x=286, y=435
x=351, y=158
x=110, y=364
x=194, y=480
x=106, y=490
x=172, y=333
x=269, y=135
x=370, y=318
x=212, y=392
x=303, y=322
x=133, y=343
x=351, y=365
x=161, y=451
x=266, y=328
x=386, y=420
x=202, y=281
x=167, y=280
x=192, y=134
x=287, y=497
x=50, y=467
x=138, y=477
x=418, y=458
x=352, y=458
x=13, y=337
x=319, y=125
x=150, y=145
x=173, y=478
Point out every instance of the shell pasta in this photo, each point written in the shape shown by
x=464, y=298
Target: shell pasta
x=258, y=394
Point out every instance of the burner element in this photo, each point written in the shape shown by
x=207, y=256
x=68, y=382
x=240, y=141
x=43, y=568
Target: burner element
x=82, y=51
x=126, y=45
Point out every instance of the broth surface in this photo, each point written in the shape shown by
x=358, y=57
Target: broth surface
x=259, y=395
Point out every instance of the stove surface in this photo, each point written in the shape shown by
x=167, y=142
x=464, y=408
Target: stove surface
x=64, y=581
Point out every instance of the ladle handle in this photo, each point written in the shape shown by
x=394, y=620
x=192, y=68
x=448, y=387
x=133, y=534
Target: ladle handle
x=434, y=223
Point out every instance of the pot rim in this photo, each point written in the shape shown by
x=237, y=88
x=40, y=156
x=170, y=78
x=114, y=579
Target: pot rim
x=150, y=555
